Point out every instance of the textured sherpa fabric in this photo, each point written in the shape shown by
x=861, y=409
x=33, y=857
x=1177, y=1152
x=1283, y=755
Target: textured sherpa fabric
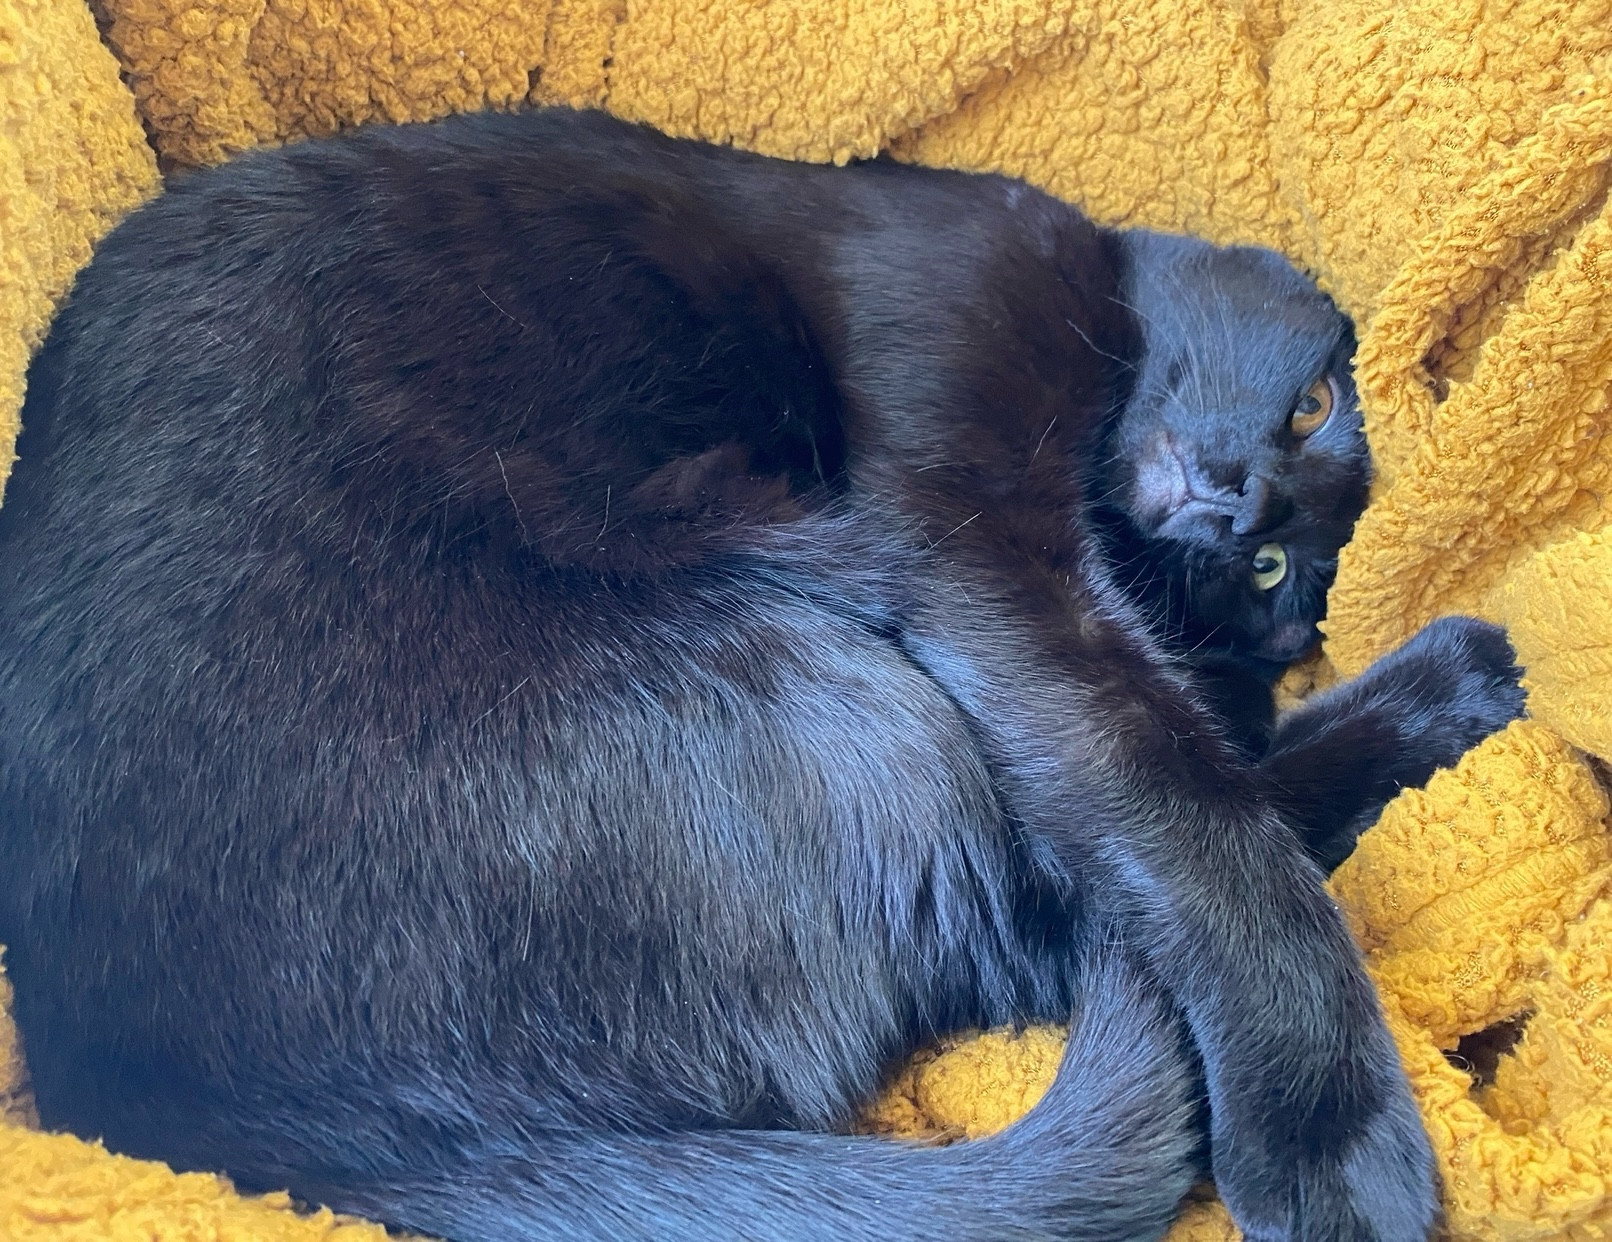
x=72, y=161
x=1441, y=165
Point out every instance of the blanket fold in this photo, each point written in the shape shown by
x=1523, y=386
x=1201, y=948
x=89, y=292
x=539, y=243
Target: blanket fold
x=1443, y=166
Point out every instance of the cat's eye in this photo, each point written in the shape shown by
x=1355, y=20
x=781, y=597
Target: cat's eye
x=1313, y=409
x=1270, y=565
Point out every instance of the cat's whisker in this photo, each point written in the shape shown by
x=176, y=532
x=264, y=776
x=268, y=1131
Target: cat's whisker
x=1102, y=353
x=1147, y=319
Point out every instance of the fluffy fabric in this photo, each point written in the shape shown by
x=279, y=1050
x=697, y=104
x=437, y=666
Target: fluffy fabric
x=1442, y=165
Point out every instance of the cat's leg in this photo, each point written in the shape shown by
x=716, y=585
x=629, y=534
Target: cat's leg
x=1108, y=759
x=1240, y=698
x=1337, y=760
x=1114, y=767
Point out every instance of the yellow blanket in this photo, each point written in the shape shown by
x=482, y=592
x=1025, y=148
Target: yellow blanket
x=1443, y=165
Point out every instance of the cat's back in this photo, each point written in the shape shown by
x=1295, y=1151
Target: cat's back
x=309, y=321
x=382, y=301
x=407, y=369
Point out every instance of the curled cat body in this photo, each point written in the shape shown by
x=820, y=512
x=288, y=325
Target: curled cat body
x=538, y=660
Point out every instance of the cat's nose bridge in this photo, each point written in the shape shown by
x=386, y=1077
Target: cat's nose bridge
x=1202, y=496
x=1259, y=506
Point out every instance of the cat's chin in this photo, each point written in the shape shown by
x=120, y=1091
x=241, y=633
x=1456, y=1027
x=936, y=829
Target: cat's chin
x=1290, y=641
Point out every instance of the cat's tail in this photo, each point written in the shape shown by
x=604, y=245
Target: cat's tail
x=1107, y=1154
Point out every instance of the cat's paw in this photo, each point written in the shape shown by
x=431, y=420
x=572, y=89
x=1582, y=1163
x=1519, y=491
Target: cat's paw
x=1452, y=685
x=1353, y=1172
x=1339, y=759
x=1382, y=1190
x=1313, y=1133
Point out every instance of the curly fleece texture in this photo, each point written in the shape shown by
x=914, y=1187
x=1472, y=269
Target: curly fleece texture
x=1441, y=165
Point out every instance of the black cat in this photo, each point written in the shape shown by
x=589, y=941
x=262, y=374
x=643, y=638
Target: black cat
x=537, y=660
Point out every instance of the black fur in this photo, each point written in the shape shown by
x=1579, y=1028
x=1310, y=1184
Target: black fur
x=537, y=660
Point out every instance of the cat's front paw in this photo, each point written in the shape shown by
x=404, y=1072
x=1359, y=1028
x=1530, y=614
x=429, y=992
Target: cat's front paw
x=1452, y=685
x=1339, y=759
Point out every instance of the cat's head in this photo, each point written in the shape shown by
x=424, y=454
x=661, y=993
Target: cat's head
x=1238, y=461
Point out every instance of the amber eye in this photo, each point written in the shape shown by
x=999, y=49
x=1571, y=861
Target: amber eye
x=1270, y=565
x=1313, y=409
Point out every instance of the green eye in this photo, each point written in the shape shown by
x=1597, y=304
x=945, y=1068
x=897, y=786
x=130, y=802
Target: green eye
x=1270, y=566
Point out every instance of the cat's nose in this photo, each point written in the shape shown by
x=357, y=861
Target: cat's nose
x=1259, y=507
